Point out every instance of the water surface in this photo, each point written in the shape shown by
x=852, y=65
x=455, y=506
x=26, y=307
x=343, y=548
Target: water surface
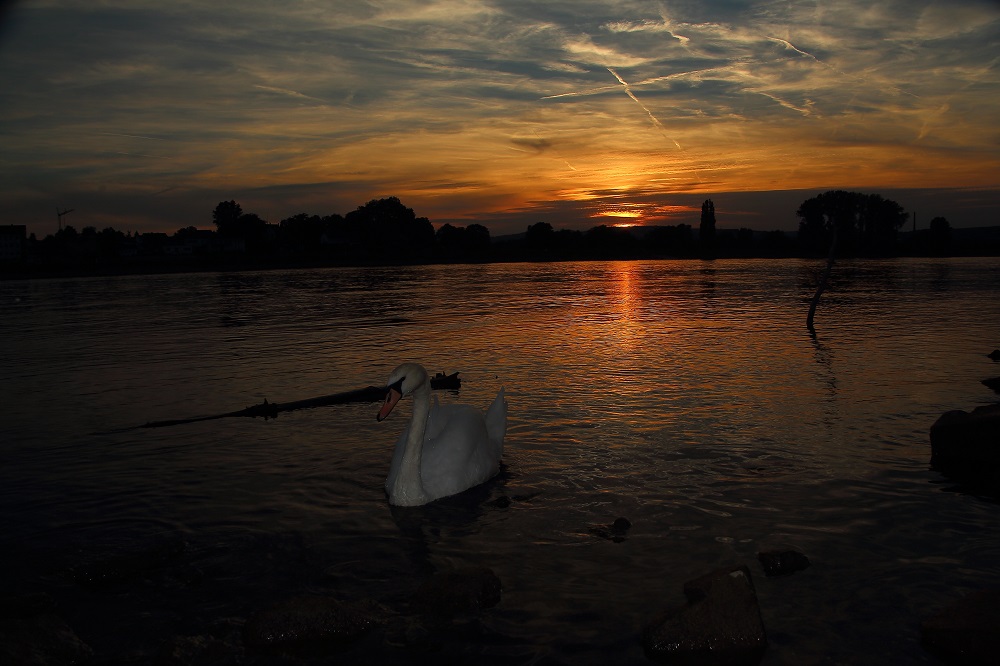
x=686, y=396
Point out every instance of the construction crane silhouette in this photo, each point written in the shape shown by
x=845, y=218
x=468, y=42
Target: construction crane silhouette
x=60, y=215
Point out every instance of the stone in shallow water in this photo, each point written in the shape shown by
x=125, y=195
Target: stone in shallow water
x=782, y=562
x=43, y=639
x=615, y=532
x=461, y=591
x=130, y=567
x=198, y=650
x=966, y=632
x=720, y=625
x=307, y=619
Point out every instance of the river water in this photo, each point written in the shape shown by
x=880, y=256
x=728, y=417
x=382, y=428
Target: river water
x=686, y=396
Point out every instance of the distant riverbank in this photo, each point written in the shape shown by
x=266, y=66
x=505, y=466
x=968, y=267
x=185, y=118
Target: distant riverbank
x=599, y=244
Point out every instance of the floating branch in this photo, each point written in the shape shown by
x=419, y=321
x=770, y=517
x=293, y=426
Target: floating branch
x=270, y=410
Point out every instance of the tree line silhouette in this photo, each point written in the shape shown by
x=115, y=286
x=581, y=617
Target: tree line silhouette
x=384, y=231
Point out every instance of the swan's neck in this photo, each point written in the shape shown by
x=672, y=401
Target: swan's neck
x=408, y=489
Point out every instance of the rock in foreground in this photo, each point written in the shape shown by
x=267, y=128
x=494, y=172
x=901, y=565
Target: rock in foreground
x=42, y=640
x=967, y=438
x=720, y=625
x=458, y=592
x=968, y=631
x=307, y=620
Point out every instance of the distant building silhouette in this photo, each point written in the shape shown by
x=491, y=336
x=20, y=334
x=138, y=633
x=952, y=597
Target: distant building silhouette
x=706, y=230
x=12, y=241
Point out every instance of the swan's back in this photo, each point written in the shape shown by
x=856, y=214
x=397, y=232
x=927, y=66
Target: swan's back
x=462, y=448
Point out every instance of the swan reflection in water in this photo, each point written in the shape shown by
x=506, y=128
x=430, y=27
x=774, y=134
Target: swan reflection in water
x=445, y=449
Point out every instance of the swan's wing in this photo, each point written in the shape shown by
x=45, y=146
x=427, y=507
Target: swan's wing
x=437, y=419
x=496, y=419
x=397, y=458
x=459, y=454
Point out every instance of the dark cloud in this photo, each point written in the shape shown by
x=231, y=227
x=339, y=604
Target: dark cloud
x=478, y=109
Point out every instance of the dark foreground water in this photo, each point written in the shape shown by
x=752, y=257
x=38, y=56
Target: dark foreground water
x=685, y=396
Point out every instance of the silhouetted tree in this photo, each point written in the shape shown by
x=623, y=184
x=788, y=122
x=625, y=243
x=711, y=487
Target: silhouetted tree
x=568, y=243
x=823, y=215
x=864, y=223
x=109, y=245
x=706, y=230
x=849, y=223
x=605, y=242
x=67, y=234
x=301, y=234
x=878, y=222
x=471, y=243
x=775, y=242
x=939, y=237
x=60, y=247
x=674, y=241
x=826, y=219
x=87, y=250
x=336, y=235
x=390, y=230
x=538, y=240
x=478, y=242
x=253, y=230
x=449, y=240
x=226, y=217
x=814, y=224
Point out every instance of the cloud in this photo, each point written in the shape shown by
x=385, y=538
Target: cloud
x=508, y=105
x=535, y=144
x=949, y=19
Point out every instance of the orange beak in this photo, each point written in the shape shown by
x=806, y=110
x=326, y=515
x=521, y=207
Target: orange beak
x=392, y=396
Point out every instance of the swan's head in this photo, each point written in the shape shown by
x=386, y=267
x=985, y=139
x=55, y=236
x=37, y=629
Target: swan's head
x=404, y=380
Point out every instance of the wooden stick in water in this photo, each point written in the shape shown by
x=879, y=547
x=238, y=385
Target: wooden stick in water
x=270, y=410
x=822, y=282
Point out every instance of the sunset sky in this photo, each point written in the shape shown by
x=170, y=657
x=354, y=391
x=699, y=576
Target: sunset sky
x=144, y=115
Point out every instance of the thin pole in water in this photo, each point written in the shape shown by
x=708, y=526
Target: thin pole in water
x=822, y=282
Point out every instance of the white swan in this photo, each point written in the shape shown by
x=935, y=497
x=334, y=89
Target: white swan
x=445, y=449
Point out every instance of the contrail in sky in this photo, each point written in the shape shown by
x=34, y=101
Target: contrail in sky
x=159, y=157
x=655, y=79
x=290, y=93
x=789, y=45
x=132, y=136
x=583, y=93
x=788, y=105
x=657, y=123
